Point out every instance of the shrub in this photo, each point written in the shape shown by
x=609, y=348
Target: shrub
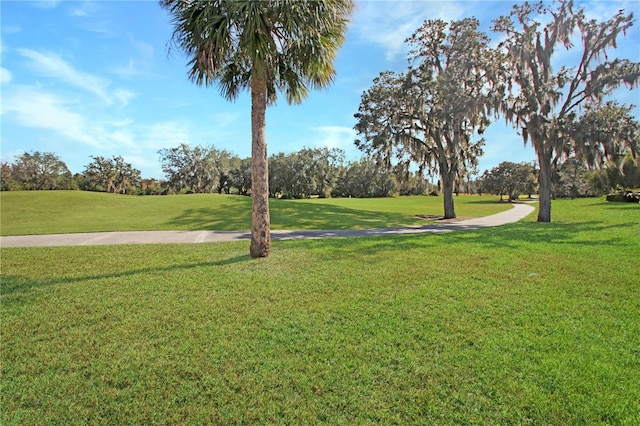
x=624, y=195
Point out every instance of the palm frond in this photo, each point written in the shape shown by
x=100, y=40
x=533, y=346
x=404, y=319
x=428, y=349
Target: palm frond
x=291, y=44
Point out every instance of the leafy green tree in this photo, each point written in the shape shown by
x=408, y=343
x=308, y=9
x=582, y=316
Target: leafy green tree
x=612, y=176
x=7, y=183
x=300, y=182
x=429, y=116
x=365, y=179
x=152, y=186
x=598, y=181
x=543, y=103
x=110, y=175
x=191, y=168
x=572, y=179
x=240, y=176
x=291, y=176
x=508, y=178
x=607, y=133
x=223, y=163
x=267, y=46
x=323, y=166
x=410, y=183
x=630, y=172
x=41, y=170
x=301, y=174
x=277, y=174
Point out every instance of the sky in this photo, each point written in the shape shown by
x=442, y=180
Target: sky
x=95, y=78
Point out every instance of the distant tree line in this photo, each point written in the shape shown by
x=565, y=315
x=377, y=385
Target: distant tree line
x=309, y=172
x=570, y=178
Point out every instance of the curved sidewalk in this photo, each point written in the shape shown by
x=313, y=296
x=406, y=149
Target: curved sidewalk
x=518, y=212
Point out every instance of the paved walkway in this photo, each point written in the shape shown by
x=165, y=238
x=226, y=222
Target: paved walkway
x=518, y=212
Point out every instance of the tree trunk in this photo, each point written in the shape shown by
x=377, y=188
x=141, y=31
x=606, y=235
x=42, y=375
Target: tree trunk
x=260, y=231
x=544, y=186
x=447, y=192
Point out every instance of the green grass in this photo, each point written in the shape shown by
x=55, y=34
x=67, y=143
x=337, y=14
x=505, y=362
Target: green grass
x=44, y=212
x=522, y=324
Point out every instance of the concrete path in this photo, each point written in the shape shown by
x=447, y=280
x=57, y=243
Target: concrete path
x=518, y=212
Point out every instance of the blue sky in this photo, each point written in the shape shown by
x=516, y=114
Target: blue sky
x=83, y=78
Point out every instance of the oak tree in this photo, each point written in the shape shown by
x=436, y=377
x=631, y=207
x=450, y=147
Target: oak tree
x=430, y=115
x=543, y=102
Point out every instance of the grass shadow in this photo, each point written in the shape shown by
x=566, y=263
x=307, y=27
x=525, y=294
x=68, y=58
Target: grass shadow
x=237, y=216
x=289, y=214
x=12, y=285
x=511, y=236
x=489, y=202
x=292, y=215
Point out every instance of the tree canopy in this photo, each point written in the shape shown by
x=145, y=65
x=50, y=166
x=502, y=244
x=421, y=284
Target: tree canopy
x=429, y=115
x=509, y=178
x=542, y=102
x=110, y=175
x=36, y=171
x=607, y=132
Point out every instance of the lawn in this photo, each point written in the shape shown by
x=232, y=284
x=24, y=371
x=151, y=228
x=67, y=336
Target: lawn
x=526, y=323
x=44, y=212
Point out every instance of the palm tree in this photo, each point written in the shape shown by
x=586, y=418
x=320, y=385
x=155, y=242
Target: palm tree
x=266, y=46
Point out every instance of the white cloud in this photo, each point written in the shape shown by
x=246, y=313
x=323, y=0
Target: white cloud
x=334, y=136
x=46, y=4
x=131, y=69
x=103, y=27
x=167, y=134
x=390, y=23
x=84, y=9
x=141, y=64
x=30, y=107
x=124, y=96
x=11, y=29
x=123, y=123
x=74, y=129
x=145, y=50
x=225, y=119
x=121, y=138
x=149, y=165
x=79, y=12
x=5, y=76
x=601, y=10
x=52, y=65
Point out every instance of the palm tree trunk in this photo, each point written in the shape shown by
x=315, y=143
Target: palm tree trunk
x=260, y=230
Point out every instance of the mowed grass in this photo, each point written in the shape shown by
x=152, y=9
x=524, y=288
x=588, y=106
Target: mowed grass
x=526, y=323
x=54, y=212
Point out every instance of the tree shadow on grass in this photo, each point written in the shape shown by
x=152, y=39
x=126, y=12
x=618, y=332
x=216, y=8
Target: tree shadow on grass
x=237, y=217
x=15, y=284
x=491, y=202
x=287, y=214
x=511, y=236
x=517, y=234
